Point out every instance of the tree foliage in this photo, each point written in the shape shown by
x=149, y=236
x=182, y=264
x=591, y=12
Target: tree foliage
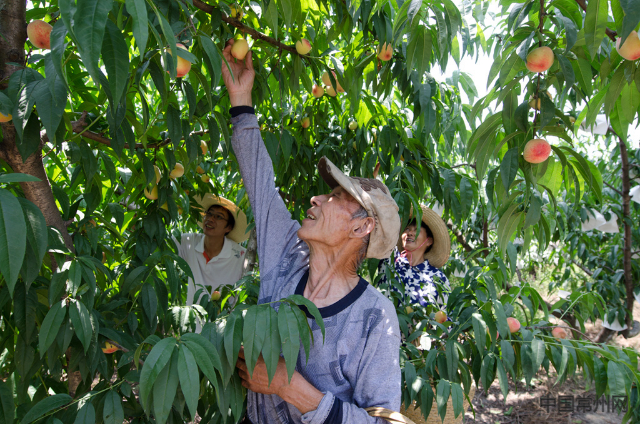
x=100, y=119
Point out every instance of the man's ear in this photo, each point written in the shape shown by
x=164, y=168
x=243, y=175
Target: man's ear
x=364, y=228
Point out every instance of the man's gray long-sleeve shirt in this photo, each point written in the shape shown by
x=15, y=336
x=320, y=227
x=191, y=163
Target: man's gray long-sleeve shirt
x=357, y=366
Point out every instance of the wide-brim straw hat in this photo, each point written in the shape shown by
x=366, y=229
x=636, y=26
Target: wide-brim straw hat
x=239, y=232
x=441, y=248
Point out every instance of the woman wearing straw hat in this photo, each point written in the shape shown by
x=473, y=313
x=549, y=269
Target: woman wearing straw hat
x=418, y=257
x=215, y=255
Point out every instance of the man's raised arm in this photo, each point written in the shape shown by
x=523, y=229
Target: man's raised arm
x=275, y=228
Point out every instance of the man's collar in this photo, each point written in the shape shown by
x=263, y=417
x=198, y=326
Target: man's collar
x=224, y=253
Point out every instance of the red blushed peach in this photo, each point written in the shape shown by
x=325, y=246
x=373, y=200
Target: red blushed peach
x=514, y=325
x=440, y=317
x=540, y=59
x=326, y=80
x=630, y=50
x=303, y=46
x=536, y=150
x=39, y=32
x=330, y=91
x=317, y=91
x=215, y=295
x=385, y=52
x=306, y=122
x=559, y=333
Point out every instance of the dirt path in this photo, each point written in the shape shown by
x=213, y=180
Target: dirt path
x=523, y=406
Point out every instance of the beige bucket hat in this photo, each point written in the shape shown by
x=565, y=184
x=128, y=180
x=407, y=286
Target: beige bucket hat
x=441, y=248
x=239, y=232
x=376, y=199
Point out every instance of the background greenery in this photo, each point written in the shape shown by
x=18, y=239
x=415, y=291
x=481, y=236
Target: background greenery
x=85, y=258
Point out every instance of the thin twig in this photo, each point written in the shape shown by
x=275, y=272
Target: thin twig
x=464, y=164
x=612, y=188
x=248, y=30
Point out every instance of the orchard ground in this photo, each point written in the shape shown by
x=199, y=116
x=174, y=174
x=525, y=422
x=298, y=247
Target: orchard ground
x=523, y=404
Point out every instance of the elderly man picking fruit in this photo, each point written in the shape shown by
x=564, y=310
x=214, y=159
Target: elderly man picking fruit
x=357, y=365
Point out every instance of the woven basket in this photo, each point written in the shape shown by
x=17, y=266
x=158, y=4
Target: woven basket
x=415, y=414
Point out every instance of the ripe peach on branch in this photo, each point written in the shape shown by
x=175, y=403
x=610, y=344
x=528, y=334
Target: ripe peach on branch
x=540, y=59
x=183, y=66
x=630, y=50
x=306, y=122
x=440, y=317
x=39, y=33
x=536, y=150
x=514, y=325
x=385, y=52
x=559, y=333
x=303, y=46
x=317, y=91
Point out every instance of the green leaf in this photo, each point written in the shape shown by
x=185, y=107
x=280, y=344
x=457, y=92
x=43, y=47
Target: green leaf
x=503, y=380
x=290, y=337
x=616, y=379
x=189, y=378
x=155, y=362
x=457, y=398
x=47, y=404
x=538, y=353
x=509, y=167
x=479, y=332
x=7, y=407
x=254, y=334
x=50, y=326
x=533, y=214
x=86, y=414
x=90, y=20
x=37, y=233
x=443, y=389
x=113, y=412
x=206, y=347
x=51, y=99
x=211, y=51
x=271, y=347
x=271, y=17
x=17, y=177
x=13, y=243
x=307, y=306
x=138, y=12
x=164, y=390
x=75, y=276
x=233, y=336
x=595, y=24
x=81, y=321
x=115, y=55
x=501, y=319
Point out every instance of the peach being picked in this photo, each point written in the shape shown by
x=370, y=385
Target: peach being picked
x=240, y=48
x=385, y=52
x=540, y=59
x=317, y=91
x=514, y=325
x=630, y=50
x=303, y=46
x=536, y=150
x=39, y=32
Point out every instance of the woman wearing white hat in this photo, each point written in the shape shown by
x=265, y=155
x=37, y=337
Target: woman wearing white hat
x=418, y=257
x=215, y=255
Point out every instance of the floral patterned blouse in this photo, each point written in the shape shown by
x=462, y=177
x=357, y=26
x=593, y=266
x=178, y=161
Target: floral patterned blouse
x=419, y=281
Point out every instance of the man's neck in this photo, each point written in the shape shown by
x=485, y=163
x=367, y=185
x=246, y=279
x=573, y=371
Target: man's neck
x=213, y=246
x=332, y=275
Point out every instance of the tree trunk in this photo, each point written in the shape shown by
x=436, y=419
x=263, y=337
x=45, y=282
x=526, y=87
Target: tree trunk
x=626, y=214
x=13, y=28
x=250, y=255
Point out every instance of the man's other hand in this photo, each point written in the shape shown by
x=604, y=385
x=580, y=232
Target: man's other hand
x=240, y=83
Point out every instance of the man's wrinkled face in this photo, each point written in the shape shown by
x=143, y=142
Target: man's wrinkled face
x=329, y=219
x=215, y=222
